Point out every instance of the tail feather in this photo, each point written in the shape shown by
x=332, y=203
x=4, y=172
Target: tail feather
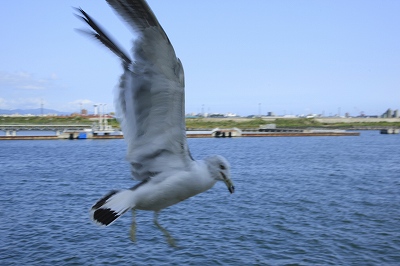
x=112, y=206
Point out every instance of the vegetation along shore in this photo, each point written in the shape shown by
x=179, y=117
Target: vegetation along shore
x=210, y=123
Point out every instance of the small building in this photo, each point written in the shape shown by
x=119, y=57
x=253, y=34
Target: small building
x=267, y=126
x=226, y=132
x=387, y=114
x=76, y=134
x=390, y=131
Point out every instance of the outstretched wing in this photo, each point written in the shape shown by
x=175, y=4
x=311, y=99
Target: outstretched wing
x=150, y=97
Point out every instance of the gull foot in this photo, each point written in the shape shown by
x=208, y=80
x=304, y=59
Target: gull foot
x=170, y=240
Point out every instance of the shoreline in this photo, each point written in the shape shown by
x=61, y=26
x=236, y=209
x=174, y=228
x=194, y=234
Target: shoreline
x=197, y=135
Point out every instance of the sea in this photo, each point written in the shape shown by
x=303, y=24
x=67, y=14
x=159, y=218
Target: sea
x=298, y=201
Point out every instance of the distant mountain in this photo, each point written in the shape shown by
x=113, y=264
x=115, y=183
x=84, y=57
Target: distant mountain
x=37, y=111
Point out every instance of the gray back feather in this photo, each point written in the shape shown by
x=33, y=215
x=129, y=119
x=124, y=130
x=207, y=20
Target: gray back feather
x=150, y=96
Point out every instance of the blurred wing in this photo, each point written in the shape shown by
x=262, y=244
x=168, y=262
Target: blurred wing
x=150, y=97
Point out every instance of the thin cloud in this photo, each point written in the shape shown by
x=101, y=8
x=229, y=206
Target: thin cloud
x=3, y=103
x=26, y=81
x=83, y=102
x=31, y=87
x=21, y=103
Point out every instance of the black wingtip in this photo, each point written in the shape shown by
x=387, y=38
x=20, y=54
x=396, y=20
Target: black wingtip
x=105, y=216
x=104, y=199
x=100, y=34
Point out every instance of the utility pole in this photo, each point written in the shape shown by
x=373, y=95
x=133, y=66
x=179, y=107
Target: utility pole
x=105, y=118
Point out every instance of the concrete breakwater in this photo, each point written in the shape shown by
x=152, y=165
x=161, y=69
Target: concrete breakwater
x=216, y=133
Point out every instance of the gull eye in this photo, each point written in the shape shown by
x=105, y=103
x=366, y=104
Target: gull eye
x=222, y=167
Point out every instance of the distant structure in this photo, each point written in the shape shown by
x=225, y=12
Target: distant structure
x=226, y=132
x=95, y=109
x=390, y=131
x=270, y=114
x=84, y=112
x=267, y=126
x=231, y=115
x=390, y=114
x=216, y=115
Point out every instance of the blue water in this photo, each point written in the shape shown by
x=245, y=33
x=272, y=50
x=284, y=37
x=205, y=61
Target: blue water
x=298, y=201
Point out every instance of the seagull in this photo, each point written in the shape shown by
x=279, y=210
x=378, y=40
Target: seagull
x=150, y=108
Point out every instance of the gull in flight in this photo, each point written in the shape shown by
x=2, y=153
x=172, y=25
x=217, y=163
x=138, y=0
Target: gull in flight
x=150, y=106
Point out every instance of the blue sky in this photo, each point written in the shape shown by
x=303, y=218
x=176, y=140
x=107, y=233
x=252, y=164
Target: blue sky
x=288, y=57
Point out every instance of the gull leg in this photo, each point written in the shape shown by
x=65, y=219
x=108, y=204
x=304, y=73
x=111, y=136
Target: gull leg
x=171, y=241
x=132, y=231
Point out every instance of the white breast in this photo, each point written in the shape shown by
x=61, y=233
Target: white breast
x=162, y=192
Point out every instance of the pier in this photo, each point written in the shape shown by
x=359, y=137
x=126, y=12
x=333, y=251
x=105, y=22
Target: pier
x=11, y=130
x=92, y=132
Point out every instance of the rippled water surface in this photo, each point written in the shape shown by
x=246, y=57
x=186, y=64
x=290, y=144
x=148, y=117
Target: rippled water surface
x=298, y=201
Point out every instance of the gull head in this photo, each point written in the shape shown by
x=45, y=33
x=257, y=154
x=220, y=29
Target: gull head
x=220, y=170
